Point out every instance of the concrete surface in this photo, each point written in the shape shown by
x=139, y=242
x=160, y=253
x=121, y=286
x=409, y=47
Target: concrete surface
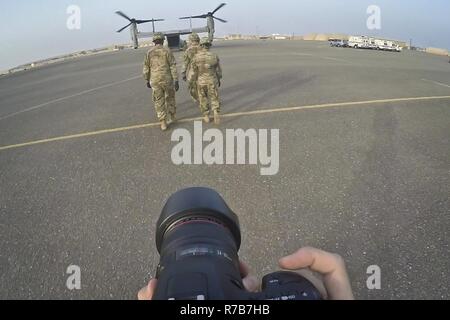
x=370, y=182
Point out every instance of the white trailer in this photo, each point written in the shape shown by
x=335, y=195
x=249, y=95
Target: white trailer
x=381, y=44
x=361, y=42
x=371, y=44
x=356, y=42
x=384, y=45
x=364, y=42
x=387, y=45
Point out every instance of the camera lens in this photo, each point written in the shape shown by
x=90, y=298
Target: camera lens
x=196, y=205
x=198, y=238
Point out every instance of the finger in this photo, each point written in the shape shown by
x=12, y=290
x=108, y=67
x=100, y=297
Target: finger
x=152, y=287
x=315, y=259
x=251, y=284
x=244, y=269
x=143, y=294
x=331, y=266
x=146, y=294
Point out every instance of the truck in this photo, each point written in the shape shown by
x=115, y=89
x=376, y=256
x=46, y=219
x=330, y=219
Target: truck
x=364, y=42
x=387, y=45
x=384, y=45
x=340, y=43
x=360, y=42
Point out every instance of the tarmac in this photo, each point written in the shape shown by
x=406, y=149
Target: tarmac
x=364, y=168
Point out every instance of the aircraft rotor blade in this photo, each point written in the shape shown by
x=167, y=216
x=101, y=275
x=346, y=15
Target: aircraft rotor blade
x=203, y=16
x=123, y=15
x=144, y=21
x=221, y=20
x=219, y=7
x=151, y=20
x=119, y=31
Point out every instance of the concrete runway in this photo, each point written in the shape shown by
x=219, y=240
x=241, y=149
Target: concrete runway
x=369, y=181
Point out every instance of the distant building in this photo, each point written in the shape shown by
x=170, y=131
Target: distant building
x=240, y=37
x=325, y=36
x=310, y=37
x=437, y=51
x=234, y=37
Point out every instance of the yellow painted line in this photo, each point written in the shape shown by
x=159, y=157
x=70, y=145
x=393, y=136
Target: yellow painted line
x=81, y=135
x=230, y=115
x=332, y=105
x=438, y=83
x=300, y=54
x=336, y=59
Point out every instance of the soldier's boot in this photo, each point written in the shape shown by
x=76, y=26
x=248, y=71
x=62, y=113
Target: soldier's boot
x=216, y=118
x=171, y=119
x=163, y=125
x=206, y=118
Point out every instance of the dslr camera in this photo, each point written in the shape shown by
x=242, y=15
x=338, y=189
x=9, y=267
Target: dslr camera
x=198, y=238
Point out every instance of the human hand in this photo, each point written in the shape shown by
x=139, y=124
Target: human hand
x=330, y=266
x=250, y=283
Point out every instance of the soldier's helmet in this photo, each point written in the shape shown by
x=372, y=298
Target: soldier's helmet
x=158, y=36
x=194, y=38
x=205, y=42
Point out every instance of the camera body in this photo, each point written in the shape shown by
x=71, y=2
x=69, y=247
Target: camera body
x=198, y=238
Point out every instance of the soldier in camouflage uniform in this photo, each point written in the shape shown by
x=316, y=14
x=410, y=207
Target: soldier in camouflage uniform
x=208, y=73
x=194, y=46
x=160, y=72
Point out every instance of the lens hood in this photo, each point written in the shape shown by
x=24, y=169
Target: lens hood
x=194, y=203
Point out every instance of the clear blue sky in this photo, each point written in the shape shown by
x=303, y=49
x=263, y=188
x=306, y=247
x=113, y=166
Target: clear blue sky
x=33, y=30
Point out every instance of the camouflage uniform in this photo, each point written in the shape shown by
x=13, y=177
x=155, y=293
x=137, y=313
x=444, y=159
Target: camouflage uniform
x=187, y=66
x=160, y=68
x=208, y=73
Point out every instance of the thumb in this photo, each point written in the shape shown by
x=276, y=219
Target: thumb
x=251, y=284
x=146, y=294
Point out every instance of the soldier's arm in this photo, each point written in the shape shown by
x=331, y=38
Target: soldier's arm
x=219, y=69
x=173, y=66
x=186, y=61
x=194, y=69
x=147, y=68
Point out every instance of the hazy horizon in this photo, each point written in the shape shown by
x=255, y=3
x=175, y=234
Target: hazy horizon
x=35, y=31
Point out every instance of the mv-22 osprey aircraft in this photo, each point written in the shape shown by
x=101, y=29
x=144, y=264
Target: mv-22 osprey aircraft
x=173, y=37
